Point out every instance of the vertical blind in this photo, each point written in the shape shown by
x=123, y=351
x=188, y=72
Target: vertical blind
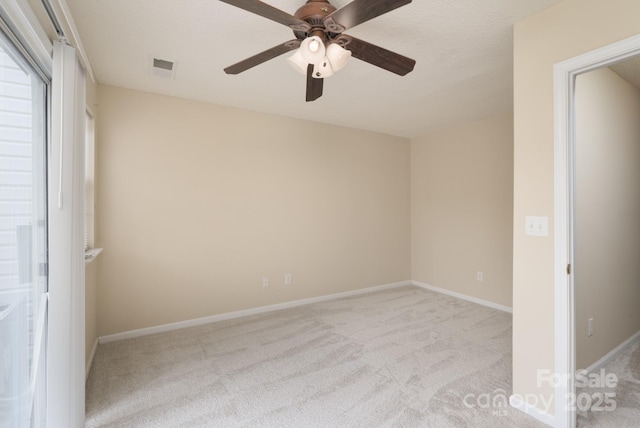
x=66, y=336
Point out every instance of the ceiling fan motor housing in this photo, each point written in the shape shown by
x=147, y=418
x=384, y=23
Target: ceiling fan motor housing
x=314, y=12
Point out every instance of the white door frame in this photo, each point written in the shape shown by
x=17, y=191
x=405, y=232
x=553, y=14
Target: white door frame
x=564, y=213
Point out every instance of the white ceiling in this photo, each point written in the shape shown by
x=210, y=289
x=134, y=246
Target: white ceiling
x=629, y=70
x=463, y=50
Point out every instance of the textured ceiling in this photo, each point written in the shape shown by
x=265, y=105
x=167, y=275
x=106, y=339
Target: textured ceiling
x=463, y=50
x=629, y=70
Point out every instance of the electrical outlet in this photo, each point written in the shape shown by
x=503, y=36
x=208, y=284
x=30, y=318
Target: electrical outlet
x=287, y=279
x=265, y=281
x=590, y=327
x=479, y=276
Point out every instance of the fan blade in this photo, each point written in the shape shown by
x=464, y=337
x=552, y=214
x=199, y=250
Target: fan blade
x=359, y=11
x=314, y=86
x=270, y=12
x=262, y=57
x=379, y=57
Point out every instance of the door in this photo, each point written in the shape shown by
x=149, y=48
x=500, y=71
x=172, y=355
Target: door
x=23, y=240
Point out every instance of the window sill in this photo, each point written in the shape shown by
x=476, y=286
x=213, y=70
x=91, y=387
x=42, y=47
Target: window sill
x=91, y=254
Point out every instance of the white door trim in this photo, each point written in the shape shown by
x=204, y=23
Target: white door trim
x=564, y=197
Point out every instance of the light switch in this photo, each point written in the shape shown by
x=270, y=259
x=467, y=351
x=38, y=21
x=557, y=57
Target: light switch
x=537, y=226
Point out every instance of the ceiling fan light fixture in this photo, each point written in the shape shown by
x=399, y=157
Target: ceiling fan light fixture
x=337, y=56
x=313, y=49
x=297, y=62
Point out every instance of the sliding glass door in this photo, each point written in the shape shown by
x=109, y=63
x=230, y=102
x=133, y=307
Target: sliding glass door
x=23, y=240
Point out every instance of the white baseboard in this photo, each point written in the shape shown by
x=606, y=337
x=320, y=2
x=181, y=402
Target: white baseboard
x=613, y=354
x=463, y=296
x=91, y=357
x=238, y=314
x=518, y=403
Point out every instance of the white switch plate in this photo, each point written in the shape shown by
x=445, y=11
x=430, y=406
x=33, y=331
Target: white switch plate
x=287, y=279
x=536, y=226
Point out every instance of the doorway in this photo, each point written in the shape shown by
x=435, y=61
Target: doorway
x=565, y=75
x=607, y=237
x=23, y=237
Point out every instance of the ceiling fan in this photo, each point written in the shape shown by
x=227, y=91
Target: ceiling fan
x=322, y=47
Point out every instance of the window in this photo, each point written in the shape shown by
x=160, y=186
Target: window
x=89, y=180
x=42, y=309
x=90, y=252
x=23, y=238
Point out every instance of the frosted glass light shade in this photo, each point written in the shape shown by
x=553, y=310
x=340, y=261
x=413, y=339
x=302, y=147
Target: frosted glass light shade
x=325, y=61
x=298, y=62
x=338, y=56
x=312, y=49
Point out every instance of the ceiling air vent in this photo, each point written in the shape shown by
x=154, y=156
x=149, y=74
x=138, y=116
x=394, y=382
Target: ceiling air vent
x=163, y=68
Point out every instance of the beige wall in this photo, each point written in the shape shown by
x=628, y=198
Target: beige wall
x=462, y=209
x=607, y=213
x=571, y=28
x=198, y=202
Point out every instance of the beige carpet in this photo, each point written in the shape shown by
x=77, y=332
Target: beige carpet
x=625, y=394
x=401, y=357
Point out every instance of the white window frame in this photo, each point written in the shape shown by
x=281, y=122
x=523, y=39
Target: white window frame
x=90, y=250
x=20, y=24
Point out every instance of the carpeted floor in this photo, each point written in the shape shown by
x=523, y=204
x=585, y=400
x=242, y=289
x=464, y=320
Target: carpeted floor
x=623, y=394
x=401, y=357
